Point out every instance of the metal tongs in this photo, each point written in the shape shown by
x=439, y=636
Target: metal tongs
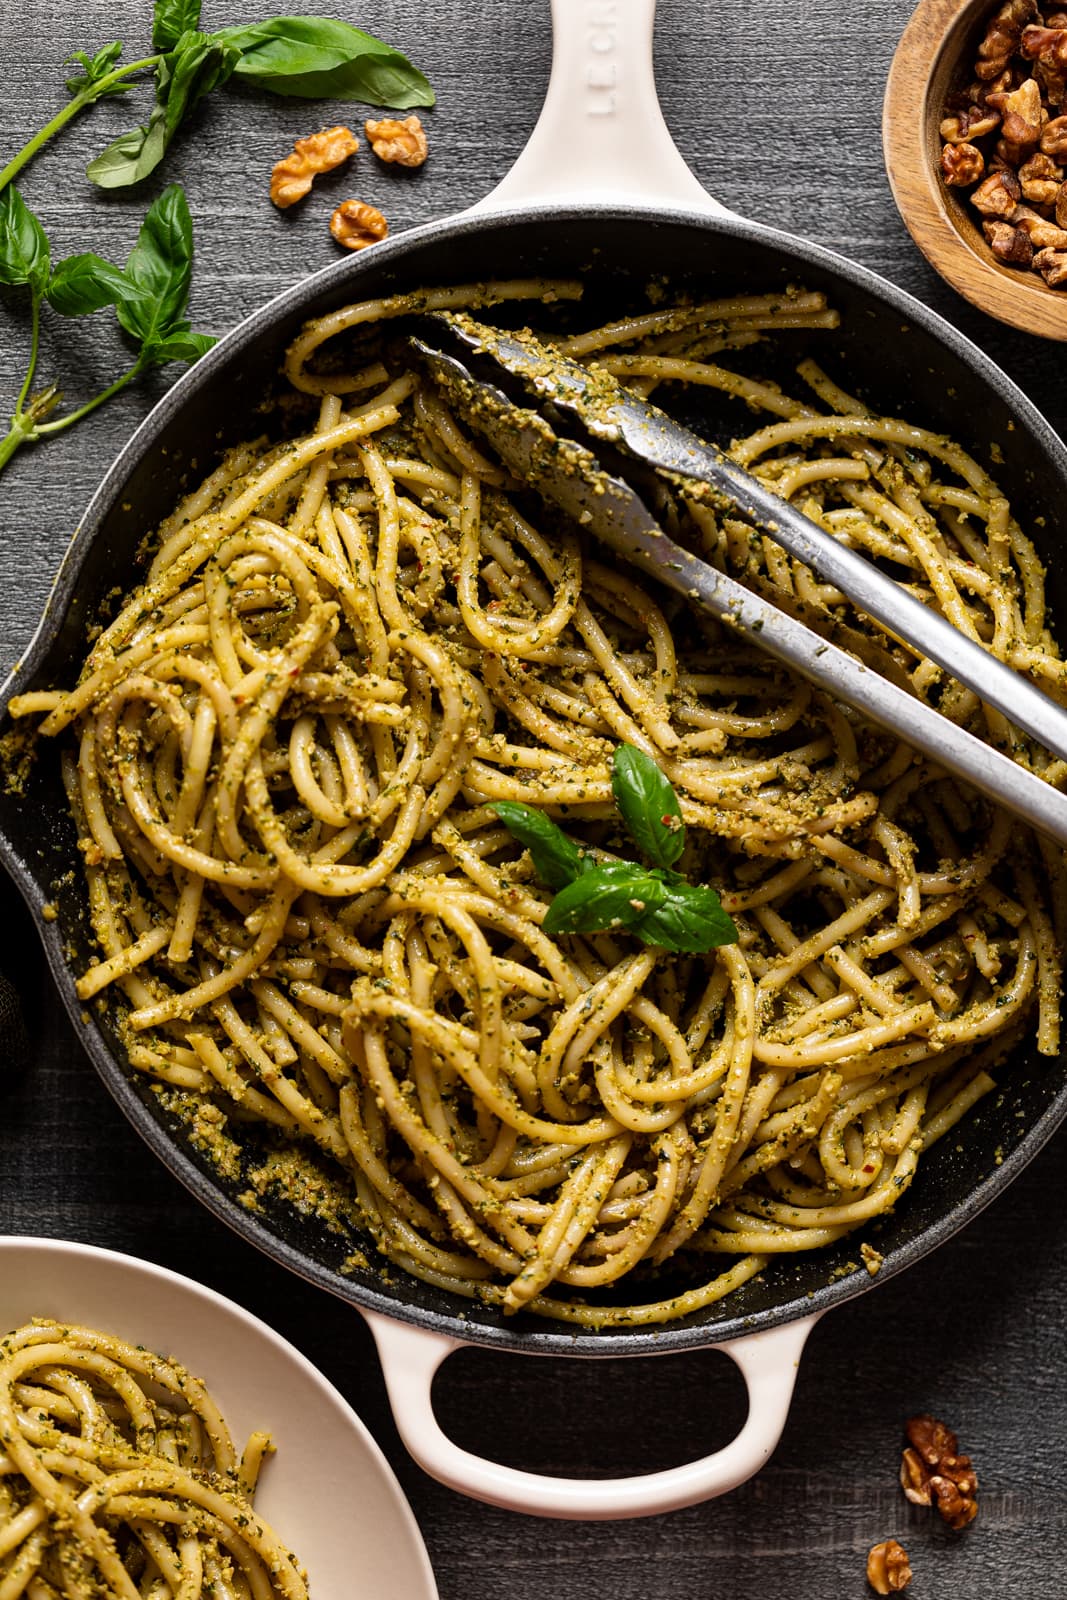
x=537, y=443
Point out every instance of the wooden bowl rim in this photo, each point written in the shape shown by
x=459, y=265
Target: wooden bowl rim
x=1020, y=299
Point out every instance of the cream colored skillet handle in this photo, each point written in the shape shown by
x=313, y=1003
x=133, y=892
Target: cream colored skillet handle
x=601, y=137
x=768, y=1363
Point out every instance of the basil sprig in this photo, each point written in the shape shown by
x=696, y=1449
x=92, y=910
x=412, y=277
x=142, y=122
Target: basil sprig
x=149, y=295
x=312, y=57
x=654, y=903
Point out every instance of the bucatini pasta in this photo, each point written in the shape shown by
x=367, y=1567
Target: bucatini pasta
x=118, y=1476
x=286, y=750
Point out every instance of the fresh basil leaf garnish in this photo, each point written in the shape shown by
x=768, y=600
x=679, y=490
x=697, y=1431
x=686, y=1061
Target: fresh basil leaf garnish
x=320, y=58
x=24, y=252
x=172, y=18
x=616, y=895
x=690, y=919
x=557, y=859
x=649, y=805
x=656, y=904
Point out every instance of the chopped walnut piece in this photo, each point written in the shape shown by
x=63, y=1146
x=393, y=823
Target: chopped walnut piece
x=1042, y=234
x=1061, y=206
x=998, y=195
x=1054, y=138
x=888, y=1569
x=962, y=165
x=1052, y=265
x=955, y=1494
x=980, y=92
x=933, y=1472
x=930, y=1438
x=872, y=1259
x=915, y=1478
x=1044, y=44
x=356, y=225
x=971, y=122
x=401, y=143
x=1020, y=111
x=1040, y=178
x=1002, y=37
x=319, y=152
x=1047, y=49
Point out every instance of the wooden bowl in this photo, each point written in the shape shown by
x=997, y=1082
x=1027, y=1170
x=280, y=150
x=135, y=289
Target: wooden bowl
x=935, y=55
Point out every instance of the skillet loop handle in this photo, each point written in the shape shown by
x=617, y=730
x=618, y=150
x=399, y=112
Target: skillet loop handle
x=768, y=1362
x=601, y=137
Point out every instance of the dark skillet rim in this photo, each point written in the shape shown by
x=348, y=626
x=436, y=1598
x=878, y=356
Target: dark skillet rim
x=547, y=1339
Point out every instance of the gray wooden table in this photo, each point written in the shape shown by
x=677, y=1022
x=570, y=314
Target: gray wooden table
x=777, y=108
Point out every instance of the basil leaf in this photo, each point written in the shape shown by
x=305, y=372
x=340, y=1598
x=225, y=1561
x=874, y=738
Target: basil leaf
x=83, y=284
x=95, y=68
x=149, y=293
x=648, y=804
x=24, y=252
x=172, y=18
x=198, y=63
x=132, y=156
x=159, y=268
x=178, y=345
x=319, y=58
x=619, y=894
x=690, y=919
x=557, y=859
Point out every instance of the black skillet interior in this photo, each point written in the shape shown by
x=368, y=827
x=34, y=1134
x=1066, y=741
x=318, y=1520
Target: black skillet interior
x=900, y=358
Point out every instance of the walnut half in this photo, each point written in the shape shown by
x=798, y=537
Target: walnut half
x=962, y=165
x=401, y=142
x=320, y=152
x=888, y=1568
x=356, y=225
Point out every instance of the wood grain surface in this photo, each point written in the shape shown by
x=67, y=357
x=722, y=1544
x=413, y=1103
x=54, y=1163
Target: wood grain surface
x=777, y=108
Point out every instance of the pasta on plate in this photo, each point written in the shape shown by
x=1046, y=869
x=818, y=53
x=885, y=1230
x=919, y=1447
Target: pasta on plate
x=118, y=1476
x=288, y=744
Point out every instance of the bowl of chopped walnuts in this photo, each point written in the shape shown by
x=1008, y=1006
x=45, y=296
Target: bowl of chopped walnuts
x=975, y=137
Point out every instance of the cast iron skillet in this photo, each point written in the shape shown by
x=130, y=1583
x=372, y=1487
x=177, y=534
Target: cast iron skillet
x=602, y=192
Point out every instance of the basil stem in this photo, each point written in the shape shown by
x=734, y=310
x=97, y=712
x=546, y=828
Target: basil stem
x=92, y=89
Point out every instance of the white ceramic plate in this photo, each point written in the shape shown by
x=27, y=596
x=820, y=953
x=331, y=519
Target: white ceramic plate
x=329, y=1492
